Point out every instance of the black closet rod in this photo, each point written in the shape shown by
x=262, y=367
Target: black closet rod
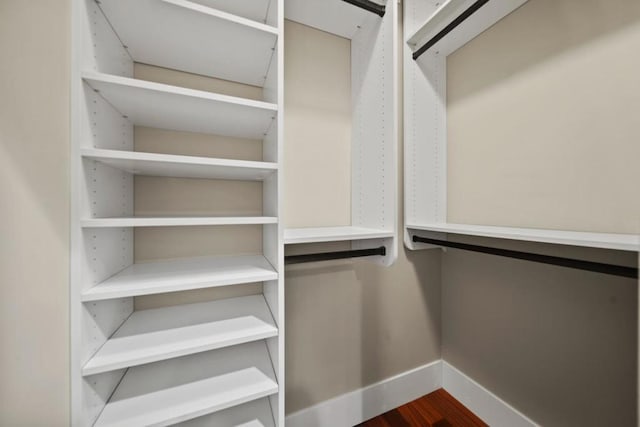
x=376, y=8
x=326, y=256
x=459, y=20
x=598, y=267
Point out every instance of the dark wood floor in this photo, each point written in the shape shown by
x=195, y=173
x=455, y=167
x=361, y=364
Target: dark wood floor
x=437, y=409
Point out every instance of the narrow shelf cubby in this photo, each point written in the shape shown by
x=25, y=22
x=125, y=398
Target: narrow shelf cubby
x=371, y=28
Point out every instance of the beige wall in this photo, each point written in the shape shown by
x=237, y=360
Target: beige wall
x=34, y=212
x=543, y=132
x=543, y=126
x=317, y=128
x=349, y=323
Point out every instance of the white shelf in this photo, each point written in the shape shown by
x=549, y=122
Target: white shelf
x=446, y=13
x=165, y=333
x=256, y=10
x=333, y=16
x=175, y=221
x=176, y=390
x=476, y=23
x=171, y=34
x=152, y=164
x=332, y=234
x=626, y=242
x=164, y=106
x=181, y=275
x=252, y=414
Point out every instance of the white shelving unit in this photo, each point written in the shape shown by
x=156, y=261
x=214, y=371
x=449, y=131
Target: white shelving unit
x=425, y=139
x=374, y=119
x=211, y=363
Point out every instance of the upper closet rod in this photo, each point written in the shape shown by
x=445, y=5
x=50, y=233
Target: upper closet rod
x=376, y=8
x=612, y=269
x=326, y=256
x=459, y=20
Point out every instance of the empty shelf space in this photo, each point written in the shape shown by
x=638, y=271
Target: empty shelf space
x=625, y=242
x=253, y=414
x=332, y=234
x=180, y=275
x=339, y=17
x=152, y=164
x=175, y=221
x=170, y=33
x=168, y=392
x=164, y=106
x=165, y=333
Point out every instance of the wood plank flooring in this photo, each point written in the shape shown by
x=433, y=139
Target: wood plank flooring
x=437, y=409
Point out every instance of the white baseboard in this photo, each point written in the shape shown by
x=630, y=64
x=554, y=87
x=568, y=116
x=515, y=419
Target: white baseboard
x=360, y=405
x=486, y=405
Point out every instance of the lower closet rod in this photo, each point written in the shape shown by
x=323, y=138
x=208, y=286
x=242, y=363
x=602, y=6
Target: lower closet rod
x=326, y=256
x=598, y=267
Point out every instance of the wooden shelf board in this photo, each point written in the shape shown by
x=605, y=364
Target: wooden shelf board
x=332, y=234
x=256, y=10
x=164, y=106
x=118, y=222
x=484, y=17
x=180, y=275
x=170, y=34
x=447, y=12
x=253, y=414
x=152, y=164
x=626, y=242
x=164, y=333
x=332, y=16
x=176, y=390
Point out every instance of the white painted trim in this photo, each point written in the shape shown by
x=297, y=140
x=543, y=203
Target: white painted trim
x=360, y=405
x=486, y=405
x=368, y=402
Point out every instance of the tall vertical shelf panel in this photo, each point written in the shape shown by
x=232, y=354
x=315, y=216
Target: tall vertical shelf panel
x=432, y=31
x=371, y=26
x=220, y=361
